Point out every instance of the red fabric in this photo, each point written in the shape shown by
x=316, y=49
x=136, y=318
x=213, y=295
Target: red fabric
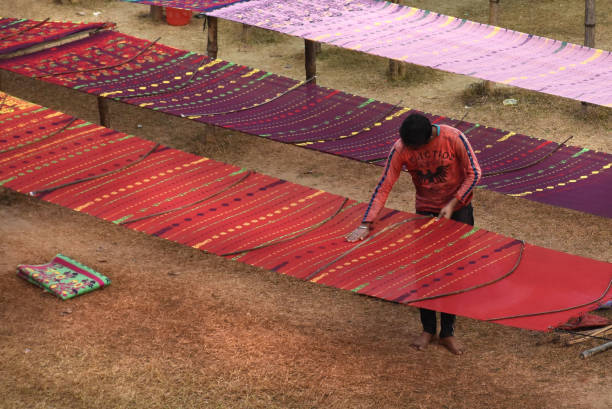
x=409, y=261
x=20, y=34
x=585, y=321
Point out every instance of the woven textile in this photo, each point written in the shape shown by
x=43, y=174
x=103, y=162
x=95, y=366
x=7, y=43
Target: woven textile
x=200, y=6
x=222, y=93
x=438, y=41
x=17, y=34
x=291, y=229
x=63, y=277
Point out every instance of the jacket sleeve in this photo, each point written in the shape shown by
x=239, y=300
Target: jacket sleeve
x=471, y=168
x=392, y=170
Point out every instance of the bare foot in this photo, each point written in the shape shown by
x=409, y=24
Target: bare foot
x=422, y=340
x=451, y=344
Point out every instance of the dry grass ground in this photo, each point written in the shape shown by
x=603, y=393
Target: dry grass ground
x=182, y=329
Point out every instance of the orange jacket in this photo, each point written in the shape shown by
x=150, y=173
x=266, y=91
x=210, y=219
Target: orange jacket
x=444, y=168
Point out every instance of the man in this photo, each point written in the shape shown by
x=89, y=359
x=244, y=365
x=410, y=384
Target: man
x=444, y=171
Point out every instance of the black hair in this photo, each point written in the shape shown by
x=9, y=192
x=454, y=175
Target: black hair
x=415, y=130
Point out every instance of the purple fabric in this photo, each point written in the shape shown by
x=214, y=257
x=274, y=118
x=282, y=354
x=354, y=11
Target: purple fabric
x=285, y=110
x=415, y=36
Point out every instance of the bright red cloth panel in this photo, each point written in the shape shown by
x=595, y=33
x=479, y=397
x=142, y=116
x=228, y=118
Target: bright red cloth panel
x=292, y=229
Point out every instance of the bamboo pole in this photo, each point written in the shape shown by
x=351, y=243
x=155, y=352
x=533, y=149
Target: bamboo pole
x=212, y=46
x=589, y=30
x=493, y=14
x=156, y=13
x=310, y=57
x=104, y=112
x=590, y=352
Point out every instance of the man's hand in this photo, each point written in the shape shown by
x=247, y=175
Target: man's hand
x=359, y=233
x=447, y=211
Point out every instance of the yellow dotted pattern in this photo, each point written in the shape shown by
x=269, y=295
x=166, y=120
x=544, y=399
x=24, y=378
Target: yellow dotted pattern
x=250, y=73
x=377, y=124
x=28, y=124
x=493, y=33
x=74, y=190
x=139, y=183
x=593, y=57
x=12, y=104
x=280, y=94
x=404, y=16
x=491, y=262
x=447, y=262
x=50, y=144
x=560, y=184
x=502, y=139
x=256, y=220
x=449, y=20
x=375, y=252
x=155, y=85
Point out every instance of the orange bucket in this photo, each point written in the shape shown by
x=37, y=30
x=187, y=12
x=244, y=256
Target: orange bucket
x=177, y=17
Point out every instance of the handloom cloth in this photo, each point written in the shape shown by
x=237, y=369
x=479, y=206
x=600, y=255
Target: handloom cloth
x=256, y=102
x=438, y=41
x=63, y=277
x=291, y=229
x=19, y=34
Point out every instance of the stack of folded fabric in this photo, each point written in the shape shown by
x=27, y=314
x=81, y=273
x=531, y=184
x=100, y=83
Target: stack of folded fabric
x=63, y=277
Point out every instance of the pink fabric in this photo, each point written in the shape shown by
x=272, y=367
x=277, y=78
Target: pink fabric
x=438, y=41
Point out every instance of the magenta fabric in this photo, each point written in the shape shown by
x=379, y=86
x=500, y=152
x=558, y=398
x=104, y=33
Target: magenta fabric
x=260, y=103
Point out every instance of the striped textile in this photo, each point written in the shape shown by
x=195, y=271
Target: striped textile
x=225, y=94
x=412, y=35
x=63, y=277
x=291, y=229
x=18, y=34
x=200, y=6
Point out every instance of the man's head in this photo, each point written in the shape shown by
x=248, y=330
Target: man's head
x=415, y=131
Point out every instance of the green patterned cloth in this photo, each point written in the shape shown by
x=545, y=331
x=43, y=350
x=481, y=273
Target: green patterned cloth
x=63, y=277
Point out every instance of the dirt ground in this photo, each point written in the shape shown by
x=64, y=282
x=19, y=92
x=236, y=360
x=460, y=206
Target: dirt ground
x=178, y=328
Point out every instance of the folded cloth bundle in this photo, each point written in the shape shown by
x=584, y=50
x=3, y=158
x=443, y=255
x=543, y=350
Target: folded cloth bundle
x=63, y=277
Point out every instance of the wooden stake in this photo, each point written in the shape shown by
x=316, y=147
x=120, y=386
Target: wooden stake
x=310, y=52
x=493, y=13
x=395, y=67
x=589, y=30
x=104, y=112
x=589, y=23
x=156, y=13
x=598, y=331
x=212, y=46
x=493, y=9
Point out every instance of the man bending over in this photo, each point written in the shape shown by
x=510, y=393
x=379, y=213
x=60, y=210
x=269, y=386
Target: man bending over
x=444, y=171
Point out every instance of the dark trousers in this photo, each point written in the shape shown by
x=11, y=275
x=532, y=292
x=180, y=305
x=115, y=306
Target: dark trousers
x=428, y=317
